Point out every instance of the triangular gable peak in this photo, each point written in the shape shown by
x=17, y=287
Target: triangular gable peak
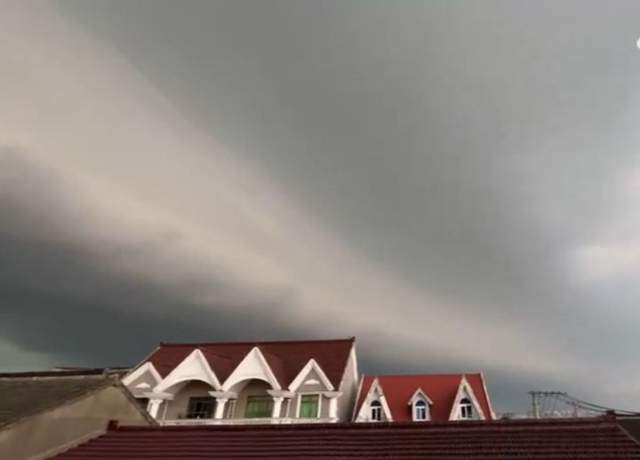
x=285, y=357
x=465, y=391
x=311, y=373
x=143, y=378
x=419, y=394
x=194, y=367
x=253, y=366
x=375, y=393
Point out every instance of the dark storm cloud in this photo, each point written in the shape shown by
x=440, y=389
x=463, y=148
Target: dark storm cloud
x=451, y=142
x=65, y=298
x=476, y=152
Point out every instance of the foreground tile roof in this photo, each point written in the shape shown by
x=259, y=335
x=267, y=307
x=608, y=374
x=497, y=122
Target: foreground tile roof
x=285, y=358
x=440, y=388
x=631, y=424
x=576, y=439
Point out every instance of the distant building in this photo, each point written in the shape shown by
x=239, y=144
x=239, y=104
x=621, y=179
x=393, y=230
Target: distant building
x=248, y=382
x=421, y=398
x=42, y=413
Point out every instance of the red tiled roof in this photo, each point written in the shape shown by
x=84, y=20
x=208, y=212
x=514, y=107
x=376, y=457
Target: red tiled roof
x=286, y=358
x=575, y=439
x=440, y=388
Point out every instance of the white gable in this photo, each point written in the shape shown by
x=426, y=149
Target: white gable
x=311, y=374
x=193, y=367
x=142, y=378
x=486, y=395
x=253, y=366
x=419, y=394
x=375, y=393
x=465, y=391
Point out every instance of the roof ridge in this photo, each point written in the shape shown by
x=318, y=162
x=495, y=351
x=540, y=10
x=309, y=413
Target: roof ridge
x=439, y=374
x=98, y=372
x=254, y=342
x=465, y=425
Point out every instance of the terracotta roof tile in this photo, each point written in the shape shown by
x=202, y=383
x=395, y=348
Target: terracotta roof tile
x=497, y=440
x=286, y=358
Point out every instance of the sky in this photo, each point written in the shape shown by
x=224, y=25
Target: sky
x=455, y=183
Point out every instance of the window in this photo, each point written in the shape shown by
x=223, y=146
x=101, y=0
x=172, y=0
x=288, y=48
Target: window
x=376, y=411
x=201, y=407
x=466, y=409
x=420, y=410
x=309, y=406
x=259, y=407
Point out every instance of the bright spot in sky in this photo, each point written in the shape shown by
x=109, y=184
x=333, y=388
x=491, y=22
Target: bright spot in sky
x=638, y=43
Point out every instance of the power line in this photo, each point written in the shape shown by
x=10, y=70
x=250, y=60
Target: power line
x=546, y=404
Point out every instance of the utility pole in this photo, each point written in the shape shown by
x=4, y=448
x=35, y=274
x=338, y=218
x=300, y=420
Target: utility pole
x=534, y=404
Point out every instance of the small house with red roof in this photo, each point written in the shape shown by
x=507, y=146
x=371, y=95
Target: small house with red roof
x=420, y=398
x=248, y=382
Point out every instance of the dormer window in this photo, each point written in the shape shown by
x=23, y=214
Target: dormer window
x=466, y=409
x=376, y=411
x=419, y=406
x=420, y=410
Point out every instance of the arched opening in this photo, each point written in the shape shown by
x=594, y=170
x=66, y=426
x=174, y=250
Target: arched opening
x=420, y=410
x=376, y=411
x=466, y=409
x=191, y=401
x=253, y=400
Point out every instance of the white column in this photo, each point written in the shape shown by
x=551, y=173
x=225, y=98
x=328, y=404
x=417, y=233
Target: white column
x=333, y=407
x=278, y=397
x=155, y=401
x=220, y=405
x=333, y=402
x=221, y=401
x=153, y=407
x=277, y=406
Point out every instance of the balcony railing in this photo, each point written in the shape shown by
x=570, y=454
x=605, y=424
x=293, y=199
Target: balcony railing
x=244, y=421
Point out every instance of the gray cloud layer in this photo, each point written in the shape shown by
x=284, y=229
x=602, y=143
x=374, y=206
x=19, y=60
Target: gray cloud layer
x=457, y=183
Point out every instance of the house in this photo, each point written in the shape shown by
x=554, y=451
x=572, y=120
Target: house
x=419, y=398
x=248, y=382
x=576, y=439
x=42, y=413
